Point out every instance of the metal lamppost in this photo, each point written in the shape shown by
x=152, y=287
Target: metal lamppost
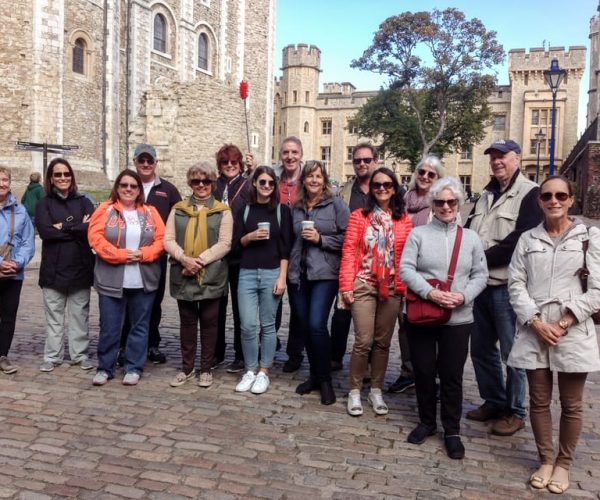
x=539, y=137
x=554, y=76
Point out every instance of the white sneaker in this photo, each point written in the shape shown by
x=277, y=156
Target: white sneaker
x=246, y=383
x=377, y=402
x=131, y=378
x=354, y=404
x=100, y=378
x=261, y=383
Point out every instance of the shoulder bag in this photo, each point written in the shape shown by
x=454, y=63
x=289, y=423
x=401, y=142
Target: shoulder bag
x=6, y=248
x=583, y=274
x=424, y=312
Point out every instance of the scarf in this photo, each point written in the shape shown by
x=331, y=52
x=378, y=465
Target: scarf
x=196, y=232
x=418, y=207
x=382, y=227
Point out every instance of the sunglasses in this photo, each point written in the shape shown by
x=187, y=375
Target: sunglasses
x=426, y=173
x=125, y=185
x=376, y=186
x=147, y=161
x=265, y=182
x=559, y=196
x=451, y=203
x=58, y=175
x=228, y=162
x=200, y=182
x=366, y=161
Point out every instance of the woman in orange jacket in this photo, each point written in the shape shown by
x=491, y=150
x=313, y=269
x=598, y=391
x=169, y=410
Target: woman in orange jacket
x=370, y=283
x=127, y=236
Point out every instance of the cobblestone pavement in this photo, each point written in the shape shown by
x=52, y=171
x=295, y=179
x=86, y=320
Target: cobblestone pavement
x=62, y=437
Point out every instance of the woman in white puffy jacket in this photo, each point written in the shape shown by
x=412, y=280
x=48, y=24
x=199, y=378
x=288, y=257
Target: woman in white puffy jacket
x=555, y=331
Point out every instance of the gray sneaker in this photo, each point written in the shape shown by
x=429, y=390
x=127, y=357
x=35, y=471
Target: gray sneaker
x=6, y=366
x=48, y=366
x=86, y=364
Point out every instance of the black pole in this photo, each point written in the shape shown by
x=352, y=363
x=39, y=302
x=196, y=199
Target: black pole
x=45, y=160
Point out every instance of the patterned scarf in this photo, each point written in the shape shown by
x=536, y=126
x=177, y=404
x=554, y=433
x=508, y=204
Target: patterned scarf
x=380, y=239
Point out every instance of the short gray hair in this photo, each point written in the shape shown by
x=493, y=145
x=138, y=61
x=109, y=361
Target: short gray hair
x=452, y=184
x=203, y=168
x=430, y=161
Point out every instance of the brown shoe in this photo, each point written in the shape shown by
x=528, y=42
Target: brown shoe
x=6, y=366
x=484, y=413
x=508, y=425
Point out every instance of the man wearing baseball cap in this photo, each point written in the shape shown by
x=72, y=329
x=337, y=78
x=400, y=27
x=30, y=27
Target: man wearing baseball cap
x=162, y=195
x=507, y=207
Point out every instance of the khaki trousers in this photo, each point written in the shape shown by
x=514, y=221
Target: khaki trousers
x=374, y=322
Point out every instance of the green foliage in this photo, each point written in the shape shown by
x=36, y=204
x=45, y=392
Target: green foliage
x=437, y=99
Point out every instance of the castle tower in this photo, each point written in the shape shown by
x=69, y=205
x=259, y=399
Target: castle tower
x=296, y=97
x=531, y=103
x=593, y=97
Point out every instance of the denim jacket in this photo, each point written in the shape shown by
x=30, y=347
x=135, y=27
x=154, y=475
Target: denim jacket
x=24, y=237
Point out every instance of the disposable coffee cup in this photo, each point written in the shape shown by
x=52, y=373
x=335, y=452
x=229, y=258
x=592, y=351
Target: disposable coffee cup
x=267, y=226
x=308, y=224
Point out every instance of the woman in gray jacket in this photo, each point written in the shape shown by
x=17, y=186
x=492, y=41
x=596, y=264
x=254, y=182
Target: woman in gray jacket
x=555, y=331
x=442, y=349
x=319, y=222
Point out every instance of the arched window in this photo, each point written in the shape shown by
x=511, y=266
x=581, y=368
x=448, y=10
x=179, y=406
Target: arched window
x=79, y=56
x=160, y=33
x=306, y=127
x=203, y=51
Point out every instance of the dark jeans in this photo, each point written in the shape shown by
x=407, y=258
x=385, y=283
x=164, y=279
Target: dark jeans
x=295, y=343
x=137, y=304
x=340, y=328
x=156, y=315
x=234, y=277
x=207, y=311
x=443, y=350
x=10, y=293
x=312, y=302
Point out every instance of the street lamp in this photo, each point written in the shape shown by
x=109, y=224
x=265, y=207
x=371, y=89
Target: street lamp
x=554, y=76
x=539, y=137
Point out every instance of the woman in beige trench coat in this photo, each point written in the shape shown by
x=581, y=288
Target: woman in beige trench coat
x=555, y=332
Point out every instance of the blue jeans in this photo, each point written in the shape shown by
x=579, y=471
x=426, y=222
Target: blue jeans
x=311, y=301
x=138, y=306
x=255, y=293
x=495, y=322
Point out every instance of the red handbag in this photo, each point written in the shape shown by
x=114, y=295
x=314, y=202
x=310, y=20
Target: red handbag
x=424, y=312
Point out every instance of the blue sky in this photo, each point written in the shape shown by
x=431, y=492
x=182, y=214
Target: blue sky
x=343, y=29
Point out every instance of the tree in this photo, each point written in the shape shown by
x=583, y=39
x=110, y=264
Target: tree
x=437, y=99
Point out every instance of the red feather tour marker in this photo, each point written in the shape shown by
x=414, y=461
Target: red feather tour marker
x=244, y=89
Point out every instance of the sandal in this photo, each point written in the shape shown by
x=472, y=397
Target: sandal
x=557, y=486
x=538, y=480
x=354, y=404
x=377, y=402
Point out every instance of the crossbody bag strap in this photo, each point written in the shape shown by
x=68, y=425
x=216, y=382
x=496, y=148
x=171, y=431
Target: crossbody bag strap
x=454, y=259
x=242, y=184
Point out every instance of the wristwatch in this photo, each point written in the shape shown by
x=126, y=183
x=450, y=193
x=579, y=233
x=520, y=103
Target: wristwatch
x=563, y=323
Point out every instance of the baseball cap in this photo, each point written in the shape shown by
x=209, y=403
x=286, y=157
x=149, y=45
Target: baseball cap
x=504, y=146
x=145, y=149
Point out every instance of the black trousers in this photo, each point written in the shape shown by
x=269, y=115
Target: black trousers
x=10, y=293
x=154, y=333
x=340, y=328
x=439, y=350
x=234, y=278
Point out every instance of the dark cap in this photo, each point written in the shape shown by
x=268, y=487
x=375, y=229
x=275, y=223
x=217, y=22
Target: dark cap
x=145, y=149
x=504, y=146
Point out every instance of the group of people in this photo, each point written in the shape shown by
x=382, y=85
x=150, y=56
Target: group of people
x=518, y=282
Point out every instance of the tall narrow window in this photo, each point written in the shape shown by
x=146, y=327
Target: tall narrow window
x=160, y=33
x=79, y=56
x=306, y=127
x=203, y=51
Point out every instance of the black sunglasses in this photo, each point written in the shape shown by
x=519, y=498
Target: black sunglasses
x=198, y=182
x=145, y=159
x=559, y=196
x=265, y=182
x=366, y=161
x=426, y=173
x=376, y=186
x=57, y=175
x=451, y=203
x=125, y=185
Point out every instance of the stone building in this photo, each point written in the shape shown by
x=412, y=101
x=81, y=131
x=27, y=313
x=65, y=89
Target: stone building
x=519, y=110
x=167, y=72
x=583, y=163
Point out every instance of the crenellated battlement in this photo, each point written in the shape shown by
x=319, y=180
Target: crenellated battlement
x=539, y=58
x=302, y=55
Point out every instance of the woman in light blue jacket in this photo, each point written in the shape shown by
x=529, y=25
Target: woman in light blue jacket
x=319, y=221
x=442, y=348
x=17, y=241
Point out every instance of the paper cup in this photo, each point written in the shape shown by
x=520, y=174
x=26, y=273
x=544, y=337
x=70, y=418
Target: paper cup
x=308, y=224
x=267, y=226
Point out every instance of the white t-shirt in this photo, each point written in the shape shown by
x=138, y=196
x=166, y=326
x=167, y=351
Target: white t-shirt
x=147, y=188
x=132, y=277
